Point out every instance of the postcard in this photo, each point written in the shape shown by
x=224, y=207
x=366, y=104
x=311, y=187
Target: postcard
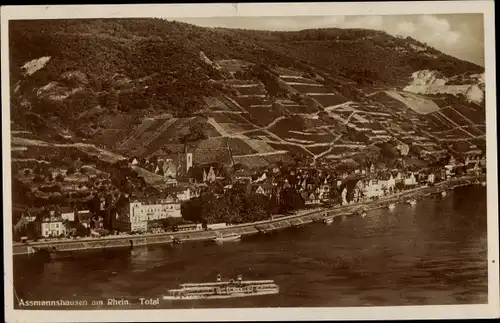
x=263, y=161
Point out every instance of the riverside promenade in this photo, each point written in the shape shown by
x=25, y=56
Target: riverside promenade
x=302, y=217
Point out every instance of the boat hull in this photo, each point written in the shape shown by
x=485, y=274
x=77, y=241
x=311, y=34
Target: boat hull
x=227, y=238
x=232, y=295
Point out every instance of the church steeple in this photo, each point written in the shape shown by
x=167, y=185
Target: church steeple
x=231, y=160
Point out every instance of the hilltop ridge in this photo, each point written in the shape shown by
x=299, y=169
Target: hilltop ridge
x=148, y=86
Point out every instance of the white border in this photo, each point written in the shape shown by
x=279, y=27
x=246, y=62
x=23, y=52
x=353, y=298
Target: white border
x=268, y=9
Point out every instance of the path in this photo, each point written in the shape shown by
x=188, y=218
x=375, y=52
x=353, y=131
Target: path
x=329, y=149
x=269, y=153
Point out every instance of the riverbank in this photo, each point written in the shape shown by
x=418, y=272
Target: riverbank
x=303, y=217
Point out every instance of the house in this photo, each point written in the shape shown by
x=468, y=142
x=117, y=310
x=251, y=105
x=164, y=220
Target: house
x=51, y=226
x=182, y=193
x=31, y=214
x=262, y=178
x=431, y=178
x=344, y=196
x=265, y=189
x=372, y=189
x=135, y=217
x=324, y=191
x=387, y=182
x=97, y=222
x=169, y=169
x=452, y=162
x=84, y=217
x=410, y=180
x=312, y=199
x=211, y=175
x=474, y=169
x=68, y=213
x=481, y=160
x=243, y=175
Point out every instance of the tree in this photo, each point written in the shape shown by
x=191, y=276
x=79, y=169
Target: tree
x=191, y=210
x=291, y=200
x=273, y=205
x=37, y=179
x=196, y=133
x=70, y=170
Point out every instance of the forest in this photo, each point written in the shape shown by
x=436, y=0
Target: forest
x=131, y=65
x=239, y=205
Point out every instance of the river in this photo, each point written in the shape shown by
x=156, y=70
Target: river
x=433, y=253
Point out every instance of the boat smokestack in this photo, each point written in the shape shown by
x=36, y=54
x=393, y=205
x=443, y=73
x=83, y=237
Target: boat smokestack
x=219, y=278
x=239, y=278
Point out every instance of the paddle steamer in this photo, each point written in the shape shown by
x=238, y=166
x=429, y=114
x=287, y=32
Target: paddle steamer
x=222, y=289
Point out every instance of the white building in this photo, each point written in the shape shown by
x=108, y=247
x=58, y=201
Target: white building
x=67, y=213
x=186, y=194
x=388, y=183
x=373, y=189
x=136, y=217
x=410, y=180
x=431, y=178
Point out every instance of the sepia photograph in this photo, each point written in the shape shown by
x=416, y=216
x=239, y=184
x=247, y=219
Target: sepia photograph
x=325, y=162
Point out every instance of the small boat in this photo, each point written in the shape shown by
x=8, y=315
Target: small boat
x=443, y=193
x=176, y=240
x=223, y=289
x=483, y=183
x=391, y=206
x=318, y=220
x=412, y=202
x=227, y=237
x=363, y=214
x=328, y=220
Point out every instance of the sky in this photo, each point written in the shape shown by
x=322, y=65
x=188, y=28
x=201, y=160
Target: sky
x=459, y=35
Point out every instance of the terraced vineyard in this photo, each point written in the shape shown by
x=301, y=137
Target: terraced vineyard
x=226, y=94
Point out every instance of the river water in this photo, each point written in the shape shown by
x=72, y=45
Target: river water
x=433, y=253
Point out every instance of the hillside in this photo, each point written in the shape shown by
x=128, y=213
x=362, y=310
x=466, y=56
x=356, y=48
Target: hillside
x=145, y=87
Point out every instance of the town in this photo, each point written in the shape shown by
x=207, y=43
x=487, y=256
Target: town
x=219, y=140
x=208, y=197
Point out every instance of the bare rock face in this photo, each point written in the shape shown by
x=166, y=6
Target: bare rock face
x=75, y=77
x=34, y=65
x=207, y=61
x=427, y=78
x=474, y=94
x=433, y=82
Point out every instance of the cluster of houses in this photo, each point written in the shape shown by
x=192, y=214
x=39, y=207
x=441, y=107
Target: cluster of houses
x=130, y=214
x=55, y=221
x=119, y=214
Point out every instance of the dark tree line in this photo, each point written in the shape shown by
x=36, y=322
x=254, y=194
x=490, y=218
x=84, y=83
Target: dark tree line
x=239, y=206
